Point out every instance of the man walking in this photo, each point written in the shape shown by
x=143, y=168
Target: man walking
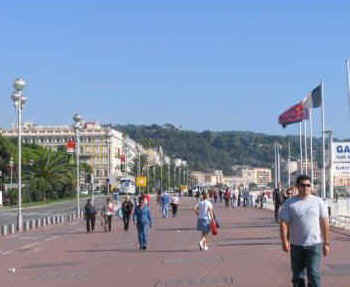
x=305, y=233
x=90, y=216
x=277, y=200
x=127, y=207
x=142, y=219
x=165, y=201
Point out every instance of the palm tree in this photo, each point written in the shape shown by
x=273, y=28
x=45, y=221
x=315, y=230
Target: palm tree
x=49, y=174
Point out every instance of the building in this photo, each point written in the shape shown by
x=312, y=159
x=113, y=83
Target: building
x=256, y=175
x=100, y=147
x=208, y=178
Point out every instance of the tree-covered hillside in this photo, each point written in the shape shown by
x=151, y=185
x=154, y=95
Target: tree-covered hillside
x=209, y=150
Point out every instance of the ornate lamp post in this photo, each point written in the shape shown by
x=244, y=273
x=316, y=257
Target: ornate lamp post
x=78, y=126
x=18, y=101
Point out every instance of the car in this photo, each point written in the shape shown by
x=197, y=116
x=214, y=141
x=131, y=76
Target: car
x=84, y=192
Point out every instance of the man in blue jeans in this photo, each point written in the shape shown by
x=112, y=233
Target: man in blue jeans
x=165, y=201
x=143, y=220
x=305, y=233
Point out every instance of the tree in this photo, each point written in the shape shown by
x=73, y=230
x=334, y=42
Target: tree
x=49, y=175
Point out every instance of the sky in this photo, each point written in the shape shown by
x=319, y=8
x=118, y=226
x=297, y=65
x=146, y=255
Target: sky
x=203, y=65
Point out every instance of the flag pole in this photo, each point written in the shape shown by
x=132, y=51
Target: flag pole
x=278, y=165
x=275, y=163
x=301, y=149
x=323, y=144
x=288, y=164
x=347, y=71
x=311, y=152
x=305, y=146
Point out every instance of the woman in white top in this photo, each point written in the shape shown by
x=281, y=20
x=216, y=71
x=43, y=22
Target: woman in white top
x=205, y=213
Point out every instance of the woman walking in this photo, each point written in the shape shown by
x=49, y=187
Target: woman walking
x=143, y=220
x=107, y=213
x=205, y=213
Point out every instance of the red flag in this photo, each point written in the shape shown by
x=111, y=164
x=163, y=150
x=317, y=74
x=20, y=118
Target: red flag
x=70, y=146
x=295, y=114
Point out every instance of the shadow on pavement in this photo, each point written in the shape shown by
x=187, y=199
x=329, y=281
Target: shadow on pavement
x=177, y=229
x=247, y=244
x=251, y=238
x=255, y=225
x=133, y=250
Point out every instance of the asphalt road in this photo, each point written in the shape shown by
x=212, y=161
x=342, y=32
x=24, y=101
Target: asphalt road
x=8, y=216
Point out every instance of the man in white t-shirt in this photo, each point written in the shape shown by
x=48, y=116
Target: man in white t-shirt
x=205, y=213
x=304, y=232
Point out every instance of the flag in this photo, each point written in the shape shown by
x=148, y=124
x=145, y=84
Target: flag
x=294, y=114
x=70, y=146
x=314, y=99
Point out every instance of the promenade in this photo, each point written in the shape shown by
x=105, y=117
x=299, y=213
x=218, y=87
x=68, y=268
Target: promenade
x=246, y=252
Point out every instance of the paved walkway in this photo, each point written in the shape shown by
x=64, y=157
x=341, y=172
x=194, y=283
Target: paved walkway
x=246, y=252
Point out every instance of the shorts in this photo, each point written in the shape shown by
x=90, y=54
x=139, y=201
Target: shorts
x=203, y=224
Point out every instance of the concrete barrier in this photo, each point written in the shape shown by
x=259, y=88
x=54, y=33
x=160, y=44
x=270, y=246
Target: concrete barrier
x=4, y=230
x=26, y=226
x=12, y=228
x=32, y=224
x=37, y=222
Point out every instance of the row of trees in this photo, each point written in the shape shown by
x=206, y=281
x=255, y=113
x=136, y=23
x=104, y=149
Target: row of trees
x=168, y=175
x=208, y=150
x=46, y=174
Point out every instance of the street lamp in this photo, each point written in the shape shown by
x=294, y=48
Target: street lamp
x=18, y=101
x=78, y=126
x=11, y=170
x=330, y=163
x=109, y=134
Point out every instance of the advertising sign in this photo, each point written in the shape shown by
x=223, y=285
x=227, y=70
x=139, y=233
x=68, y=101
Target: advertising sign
x=141, y=181
x=341, y=157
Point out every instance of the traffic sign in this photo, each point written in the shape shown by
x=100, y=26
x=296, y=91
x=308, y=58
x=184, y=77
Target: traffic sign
x=141, y=181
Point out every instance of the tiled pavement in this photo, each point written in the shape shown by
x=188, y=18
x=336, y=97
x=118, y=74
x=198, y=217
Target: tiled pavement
x=246, y=252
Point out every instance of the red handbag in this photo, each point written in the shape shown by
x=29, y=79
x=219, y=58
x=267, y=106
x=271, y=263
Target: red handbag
x=213, y=227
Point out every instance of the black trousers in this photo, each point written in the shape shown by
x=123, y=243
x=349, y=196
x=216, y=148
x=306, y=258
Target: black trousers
x=90, y=223
x=174, y=209
x=108, y=222
x=277, y=207
x=126, y=220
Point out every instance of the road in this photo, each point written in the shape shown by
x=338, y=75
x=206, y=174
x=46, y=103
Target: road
x=247, y=252
x=9, y=215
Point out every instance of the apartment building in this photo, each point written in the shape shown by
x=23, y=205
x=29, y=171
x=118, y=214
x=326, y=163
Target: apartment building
x=100, y=147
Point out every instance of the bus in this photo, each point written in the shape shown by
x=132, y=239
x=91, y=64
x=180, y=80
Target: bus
x=127, y=185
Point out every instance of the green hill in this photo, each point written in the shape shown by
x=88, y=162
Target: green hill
x=210, y=150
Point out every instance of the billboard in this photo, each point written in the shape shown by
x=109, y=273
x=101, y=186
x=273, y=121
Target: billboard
x=141, y=181
x=341, y=157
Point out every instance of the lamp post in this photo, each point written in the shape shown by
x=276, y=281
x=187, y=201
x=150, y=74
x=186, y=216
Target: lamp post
x=11, y=170
x=109, y=134
x=330, y=164
x=78, y=126
x=18, y=101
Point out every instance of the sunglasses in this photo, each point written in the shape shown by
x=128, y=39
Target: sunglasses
x=305, y=184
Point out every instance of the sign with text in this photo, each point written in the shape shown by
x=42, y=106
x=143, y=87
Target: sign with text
x=141, y=181
x=341, y=157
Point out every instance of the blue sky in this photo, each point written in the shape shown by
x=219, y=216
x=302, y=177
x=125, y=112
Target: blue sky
x=218, y=65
